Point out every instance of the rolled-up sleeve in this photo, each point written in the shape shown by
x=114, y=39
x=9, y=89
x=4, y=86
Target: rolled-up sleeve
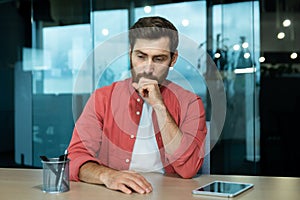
x=188, y=158
x=86, y=139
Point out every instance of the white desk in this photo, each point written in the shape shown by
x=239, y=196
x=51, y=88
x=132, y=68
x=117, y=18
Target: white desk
x=23, y=184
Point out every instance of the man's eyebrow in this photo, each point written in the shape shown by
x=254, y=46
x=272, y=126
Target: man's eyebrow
x=158, y=55
x=139, y=51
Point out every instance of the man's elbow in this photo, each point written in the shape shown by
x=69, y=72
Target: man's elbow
x=187, y=174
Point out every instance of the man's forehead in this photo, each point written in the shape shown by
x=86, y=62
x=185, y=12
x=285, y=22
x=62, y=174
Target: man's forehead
x=162, y=44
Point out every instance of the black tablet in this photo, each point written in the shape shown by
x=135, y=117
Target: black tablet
x=223, y=188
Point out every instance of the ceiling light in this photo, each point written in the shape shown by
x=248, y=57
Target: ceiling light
x=286, y=23
x=236, y=47
x=294, y=55
x=245, y=45
x=147, y=9
x=280, y=35
x=185, y=22
x=245, y=70
x=217, y=55
x=246, y=55
x=262, y=59
x=105, y=32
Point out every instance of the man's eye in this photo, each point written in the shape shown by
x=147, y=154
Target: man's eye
x=158, y=59
x=140, y=56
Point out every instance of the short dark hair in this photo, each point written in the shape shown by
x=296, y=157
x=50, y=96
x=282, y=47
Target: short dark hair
x=153, y=28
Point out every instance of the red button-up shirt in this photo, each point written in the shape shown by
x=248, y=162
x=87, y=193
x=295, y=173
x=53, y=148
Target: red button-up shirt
x=106, y=130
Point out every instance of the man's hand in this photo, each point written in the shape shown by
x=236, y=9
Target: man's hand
x=126, y=181
x=171, y=134
x=149, y=91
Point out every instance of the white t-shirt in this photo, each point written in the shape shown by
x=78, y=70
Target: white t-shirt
x=145, y=155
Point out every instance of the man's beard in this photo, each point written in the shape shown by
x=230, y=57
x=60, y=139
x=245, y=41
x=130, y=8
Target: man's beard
x=136, y=77
x=145, y=75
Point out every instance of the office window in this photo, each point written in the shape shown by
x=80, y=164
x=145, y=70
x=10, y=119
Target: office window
x=111, y=48
x=75, y=52
x=236, y=52
x=68, y=46
x=70, y=69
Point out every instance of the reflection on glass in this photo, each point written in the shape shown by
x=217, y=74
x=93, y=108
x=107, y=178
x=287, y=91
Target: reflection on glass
x=237, y=41
x=56, y=65
x=106, y=30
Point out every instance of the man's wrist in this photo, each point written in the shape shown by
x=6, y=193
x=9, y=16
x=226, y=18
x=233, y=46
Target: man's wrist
x=159, y=107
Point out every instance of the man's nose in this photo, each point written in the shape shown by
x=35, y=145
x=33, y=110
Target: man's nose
x=149, y=66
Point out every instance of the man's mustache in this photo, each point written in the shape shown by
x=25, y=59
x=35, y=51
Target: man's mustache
x=147, y=76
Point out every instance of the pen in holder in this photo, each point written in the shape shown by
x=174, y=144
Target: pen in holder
x=61, y=170
x=55, y=174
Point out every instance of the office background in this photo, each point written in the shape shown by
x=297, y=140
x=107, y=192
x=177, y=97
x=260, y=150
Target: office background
x=45, y=44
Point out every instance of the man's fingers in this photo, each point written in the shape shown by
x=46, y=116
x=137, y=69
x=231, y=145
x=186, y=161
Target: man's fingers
x=127, y=181
x=135, y=85
x=149, y=90
x=138, y=183
x=123, y=188
x=143, y=82
x=142, y=90
x=143, y=183
x=135, y=187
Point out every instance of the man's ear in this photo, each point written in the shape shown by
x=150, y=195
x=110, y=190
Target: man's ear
x=174, y=58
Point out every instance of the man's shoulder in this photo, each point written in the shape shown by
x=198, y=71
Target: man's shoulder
x=110, y=88
x=178, y=89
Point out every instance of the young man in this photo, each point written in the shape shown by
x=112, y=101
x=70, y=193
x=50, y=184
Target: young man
x=142, y=124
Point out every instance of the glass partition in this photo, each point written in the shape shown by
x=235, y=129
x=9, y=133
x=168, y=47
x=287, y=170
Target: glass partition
x=61, y=41
x=236, y=47
x=74, y=52
x=106, y=31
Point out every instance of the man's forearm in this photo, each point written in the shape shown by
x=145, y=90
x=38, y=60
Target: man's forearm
x=171, y=134
x=92, y=172
x=125, y=181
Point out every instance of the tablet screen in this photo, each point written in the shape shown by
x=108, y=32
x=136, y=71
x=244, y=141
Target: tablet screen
x=223, y=188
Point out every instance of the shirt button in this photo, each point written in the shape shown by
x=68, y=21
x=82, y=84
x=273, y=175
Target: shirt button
x=138, y=112
x=131, y=136
x=127, y=160
x=138, y=99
